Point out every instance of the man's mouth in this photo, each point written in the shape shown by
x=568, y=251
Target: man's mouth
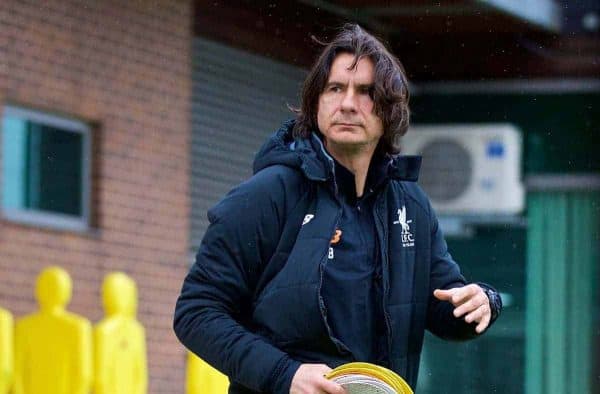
x=347, y=124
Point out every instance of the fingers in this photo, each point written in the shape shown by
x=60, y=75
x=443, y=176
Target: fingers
x=310, y=379
x=326, y=385
x=464, y=294
x=484, y=322
x=477, y=315
x=443, y=295
x=471, y=302
x=458, y=295
x=321, y=369
x=331, y=387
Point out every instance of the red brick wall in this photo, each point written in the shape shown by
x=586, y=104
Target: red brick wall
x=125, y=67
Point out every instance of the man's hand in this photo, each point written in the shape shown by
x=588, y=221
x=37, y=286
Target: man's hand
x=470, y=301
x=310, y=379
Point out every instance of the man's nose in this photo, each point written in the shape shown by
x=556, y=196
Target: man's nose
x=349, y=101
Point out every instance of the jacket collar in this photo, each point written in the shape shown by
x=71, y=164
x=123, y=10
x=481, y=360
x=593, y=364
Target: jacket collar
x=310, y=156
x=405, y=168
x=318, y=165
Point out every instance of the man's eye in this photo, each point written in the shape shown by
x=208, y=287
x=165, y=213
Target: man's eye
x=335, y=89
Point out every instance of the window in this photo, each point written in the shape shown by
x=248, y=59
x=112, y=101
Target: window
x=45, y=169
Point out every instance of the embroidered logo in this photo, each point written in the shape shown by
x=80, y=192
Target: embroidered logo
x=406, y=236
x=307, y=218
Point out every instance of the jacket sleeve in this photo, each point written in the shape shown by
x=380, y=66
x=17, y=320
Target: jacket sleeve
x=243, y=232
x=445, y=274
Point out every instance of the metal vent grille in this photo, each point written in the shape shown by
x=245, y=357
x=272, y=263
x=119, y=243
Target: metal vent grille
x=238, y=99
x=446, y=171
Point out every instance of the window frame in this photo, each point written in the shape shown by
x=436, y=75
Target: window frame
x=48, y=219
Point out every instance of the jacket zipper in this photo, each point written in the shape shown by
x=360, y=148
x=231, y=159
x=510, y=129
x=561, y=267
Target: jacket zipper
x=384, y=271
x=341, y=347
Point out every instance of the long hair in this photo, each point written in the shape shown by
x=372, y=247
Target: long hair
x=390, y=92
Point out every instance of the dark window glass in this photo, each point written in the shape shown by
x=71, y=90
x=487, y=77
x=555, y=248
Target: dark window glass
x=42, y=167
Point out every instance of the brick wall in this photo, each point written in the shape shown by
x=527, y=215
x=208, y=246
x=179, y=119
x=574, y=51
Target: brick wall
x=124, y=67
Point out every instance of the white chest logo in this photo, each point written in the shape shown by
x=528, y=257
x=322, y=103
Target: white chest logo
x=407, y=237
x=307, y=219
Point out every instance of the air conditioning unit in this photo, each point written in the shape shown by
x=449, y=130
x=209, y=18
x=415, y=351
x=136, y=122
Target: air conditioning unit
x=469, y=169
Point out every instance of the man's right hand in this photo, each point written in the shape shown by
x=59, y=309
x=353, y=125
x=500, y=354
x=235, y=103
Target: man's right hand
x=310, y=379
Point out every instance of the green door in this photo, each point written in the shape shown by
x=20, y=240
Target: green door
x=562, y=274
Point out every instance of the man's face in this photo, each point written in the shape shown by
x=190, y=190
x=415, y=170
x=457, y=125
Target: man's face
x=345, y=115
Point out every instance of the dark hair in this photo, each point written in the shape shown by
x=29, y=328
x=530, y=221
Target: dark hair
x=390, y=91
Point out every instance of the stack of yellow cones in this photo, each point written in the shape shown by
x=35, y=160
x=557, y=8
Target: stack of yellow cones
x=366, y=378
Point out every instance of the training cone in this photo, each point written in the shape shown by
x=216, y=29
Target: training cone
x=366, y=378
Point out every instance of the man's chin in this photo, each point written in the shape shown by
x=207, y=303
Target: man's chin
x=347, y=140
x=347, y=143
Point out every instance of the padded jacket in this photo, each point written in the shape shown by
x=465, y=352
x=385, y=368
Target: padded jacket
x=251, y=304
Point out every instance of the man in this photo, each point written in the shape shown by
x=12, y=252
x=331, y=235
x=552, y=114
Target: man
x=330, y=253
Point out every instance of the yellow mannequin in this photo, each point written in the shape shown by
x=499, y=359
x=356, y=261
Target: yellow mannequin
x=53, y=348
x=120, y=340
x=6, y=353
x=204, y=379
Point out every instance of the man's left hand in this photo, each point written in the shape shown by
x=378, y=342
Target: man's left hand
x=471, y=302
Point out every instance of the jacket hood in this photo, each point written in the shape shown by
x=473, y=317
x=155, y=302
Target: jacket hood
x=309, y=156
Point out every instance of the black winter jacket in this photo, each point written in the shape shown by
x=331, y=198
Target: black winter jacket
x=251, y=304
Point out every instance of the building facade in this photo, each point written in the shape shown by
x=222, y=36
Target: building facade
x=103, y=87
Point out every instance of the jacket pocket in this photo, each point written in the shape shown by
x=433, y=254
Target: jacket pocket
x=290, y=314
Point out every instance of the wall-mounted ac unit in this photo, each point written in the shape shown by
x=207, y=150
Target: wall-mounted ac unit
x=469, y=169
